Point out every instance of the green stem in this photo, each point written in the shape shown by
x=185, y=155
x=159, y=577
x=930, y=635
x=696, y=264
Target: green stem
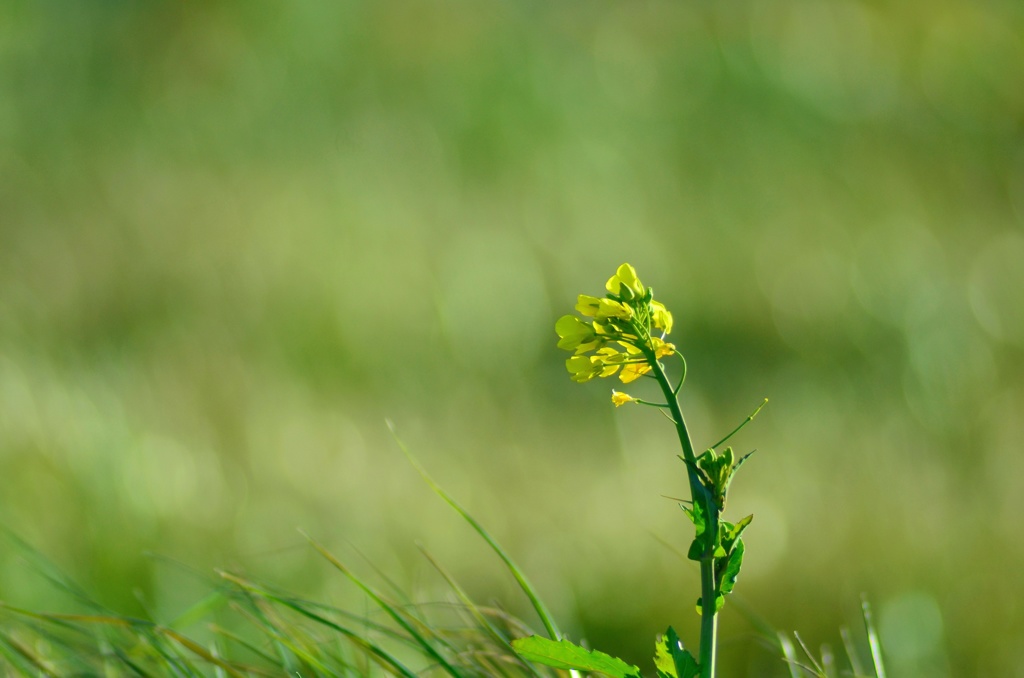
x=709, y=616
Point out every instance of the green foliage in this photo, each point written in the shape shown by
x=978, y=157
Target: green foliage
x=270, y=631
x=671, y=660
x=289, y=634
x=563, y=654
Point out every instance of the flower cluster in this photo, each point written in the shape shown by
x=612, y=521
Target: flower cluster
x=626, y=334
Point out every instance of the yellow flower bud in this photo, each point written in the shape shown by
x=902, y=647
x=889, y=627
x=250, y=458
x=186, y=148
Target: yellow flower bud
x=620, y=398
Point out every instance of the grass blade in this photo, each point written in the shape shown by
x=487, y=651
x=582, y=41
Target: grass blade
x=376, y=651
x=22, y=658
x=524, y=584
x=807, y=652
x=789, y=654
x=828, y=661
x=482, y=620
x=391, y=611
x=851, y=652
x=873, y=642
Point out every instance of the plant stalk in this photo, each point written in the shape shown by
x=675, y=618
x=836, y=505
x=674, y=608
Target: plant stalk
x=709, y=616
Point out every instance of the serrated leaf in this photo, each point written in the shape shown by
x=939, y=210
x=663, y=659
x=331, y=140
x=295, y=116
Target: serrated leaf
x=673, y=661
x=563, y=654
x=663, y=660
x=732, y=568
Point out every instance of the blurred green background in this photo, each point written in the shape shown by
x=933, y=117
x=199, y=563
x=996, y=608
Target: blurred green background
x=235, y=237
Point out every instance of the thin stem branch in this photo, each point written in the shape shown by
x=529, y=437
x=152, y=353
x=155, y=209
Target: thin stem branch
x=682, y=377
x=638, y=401
x=740, y=427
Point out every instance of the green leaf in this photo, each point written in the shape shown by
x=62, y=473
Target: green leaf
x=730, y=533
x=696, y=551
x=563, y=654
x=732, y=568
x=719, y=604
x=697, y=517
x=743, y=459
x=671, y=660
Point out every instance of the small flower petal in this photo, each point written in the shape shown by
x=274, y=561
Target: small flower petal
x=625, y=275
x=588, y=305
x=634, y=371
x=660, y=317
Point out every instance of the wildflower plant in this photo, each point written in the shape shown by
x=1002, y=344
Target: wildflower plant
x=625, y=334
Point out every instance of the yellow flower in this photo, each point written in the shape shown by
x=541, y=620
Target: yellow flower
x=574, y=334
x=624, y=284
x=662, y=349
x=604, y=364
x=627, y=317
x=587, y=305
x=633, y=371
x=603, y=309
x=660, y=316
x=620, y=398
x=582, y=368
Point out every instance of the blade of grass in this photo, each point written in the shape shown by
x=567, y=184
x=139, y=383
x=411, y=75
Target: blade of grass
x=150, y=628
x=181, y=666
x=139, y=671
x=46, y=569
x=238, y=640
x=25, y=657
x=851, y=652
x=524, y=584
x=396, y=590
x=807, y=652
x=73, y=658
x=200, y=651
x=873, y=642
x=363, y=643
x=288, y=643
x=391, y=611
x=828, y=661
x=471, y=607
x=199, y=610
x=789, y=654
